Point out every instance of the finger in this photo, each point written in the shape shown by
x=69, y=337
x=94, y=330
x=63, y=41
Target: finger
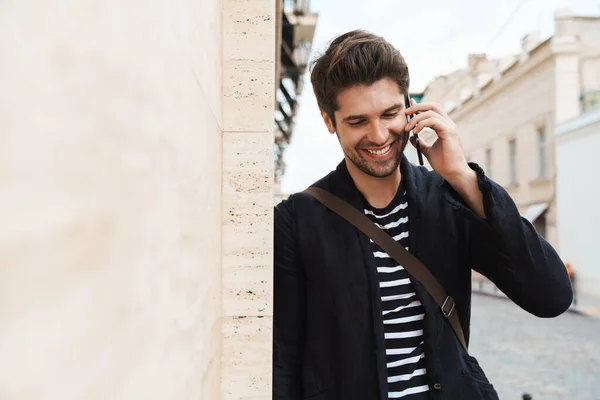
x=423, y=145
x=418, y=118
x=435, y=123
x=421, y=107
x=412, y=103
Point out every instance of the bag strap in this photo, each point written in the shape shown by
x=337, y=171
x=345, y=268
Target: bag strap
x=409, y=262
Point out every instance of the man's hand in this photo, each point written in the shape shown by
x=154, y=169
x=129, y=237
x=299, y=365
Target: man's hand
x=446, y=155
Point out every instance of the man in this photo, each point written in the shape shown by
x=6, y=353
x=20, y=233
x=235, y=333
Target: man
x=349, y=321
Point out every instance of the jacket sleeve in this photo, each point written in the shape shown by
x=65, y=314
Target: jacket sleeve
x=288, y=307
x=507, y=249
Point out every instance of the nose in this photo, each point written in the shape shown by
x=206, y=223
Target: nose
x=378, y=132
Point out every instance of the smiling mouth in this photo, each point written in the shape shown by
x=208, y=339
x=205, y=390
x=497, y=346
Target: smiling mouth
x=380, y=152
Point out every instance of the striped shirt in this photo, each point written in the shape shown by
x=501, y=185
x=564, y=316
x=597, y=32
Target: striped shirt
x=402, y=311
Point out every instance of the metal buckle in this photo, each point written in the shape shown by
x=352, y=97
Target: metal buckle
x=447, y=314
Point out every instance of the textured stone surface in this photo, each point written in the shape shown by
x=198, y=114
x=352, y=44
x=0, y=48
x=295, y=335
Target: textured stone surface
x=247, y=263
x=247, y=289
x=110, y=200
x=248, y=99
x=247, y=358
x=124, y=205
x=248, y=95
x=247, y=150
x=249, y=65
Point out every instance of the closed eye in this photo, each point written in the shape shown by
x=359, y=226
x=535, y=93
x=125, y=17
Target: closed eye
x=357, y=123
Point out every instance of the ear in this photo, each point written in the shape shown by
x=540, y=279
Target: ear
x=328, y=122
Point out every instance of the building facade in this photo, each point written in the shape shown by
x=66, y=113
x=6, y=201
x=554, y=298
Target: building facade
x=136, y=165
x=578, y=215
x=507, y=111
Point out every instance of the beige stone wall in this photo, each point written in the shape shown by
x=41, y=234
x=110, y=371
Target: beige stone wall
x=248, y=98
x=135, y=243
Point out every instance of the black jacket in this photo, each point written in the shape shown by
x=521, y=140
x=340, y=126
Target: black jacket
x=328, y=331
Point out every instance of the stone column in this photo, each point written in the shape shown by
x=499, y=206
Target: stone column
x=248, y=98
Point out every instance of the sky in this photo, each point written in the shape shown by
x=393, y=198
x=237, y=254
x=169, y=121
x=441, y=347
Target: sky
x=434, y=37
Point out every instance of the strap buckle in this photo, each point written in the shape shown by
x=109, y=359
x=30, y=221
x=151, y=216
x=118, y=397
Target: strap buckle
x=447, y=313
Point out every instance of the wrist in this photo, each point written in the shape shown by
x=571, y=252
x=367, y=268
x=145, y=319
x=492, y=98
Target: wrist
x=459, y=176
x=465, y=183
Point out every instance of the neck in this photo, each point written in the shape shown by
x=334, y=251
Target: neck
x=379, y=192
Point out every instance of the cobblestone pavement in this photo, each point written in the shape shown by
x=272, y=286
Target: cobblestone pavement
x=551, y=359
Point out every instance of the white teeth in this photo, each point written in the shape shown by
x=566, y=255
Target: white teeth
x=380, y=152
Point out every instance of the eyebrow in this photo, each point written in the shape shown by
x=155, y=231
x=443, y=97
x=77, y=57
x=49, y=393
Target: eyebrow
x=387, y=110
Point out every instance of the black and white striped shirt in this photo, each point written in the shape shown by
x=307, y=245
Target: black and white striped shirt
x=402, y=311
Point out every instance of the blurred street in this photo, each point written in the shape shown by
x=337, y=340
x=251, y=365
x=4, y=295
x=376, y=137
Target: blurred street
x=551, y=359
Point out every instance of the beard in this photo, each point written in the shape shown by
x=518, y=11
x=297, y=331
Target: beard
x=378, y=169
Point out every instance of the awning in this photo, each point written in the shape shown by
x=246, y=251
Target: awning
x=534, y=211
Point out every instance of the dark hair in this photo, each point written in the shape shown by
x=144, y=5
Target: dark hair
x=355, y=58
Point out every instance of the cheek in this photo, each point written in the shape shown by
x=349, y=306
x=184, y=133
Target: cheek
x=397, y=125
x=350, y=138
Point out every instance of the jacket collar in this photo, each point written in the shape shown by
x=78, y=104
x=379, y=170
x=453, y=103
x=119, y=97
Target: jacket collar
x=342, y=185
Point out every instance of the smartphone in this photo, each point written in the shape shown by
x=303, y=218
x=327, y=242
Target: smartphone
x=408, y=118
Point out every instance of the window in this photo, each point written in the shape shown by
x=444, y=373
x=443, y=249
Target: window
x=512, y=162
x=488, y=162
x=543, y=153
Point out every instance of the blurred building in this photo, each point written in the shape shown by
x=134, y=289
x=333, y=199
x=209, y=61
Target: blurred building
x=136, y=171
x=296, y=25
x=577, y=143
x=507, y=110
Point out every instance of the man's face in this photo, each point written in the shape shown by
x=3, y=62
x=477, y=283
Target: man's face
x=370, y=126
